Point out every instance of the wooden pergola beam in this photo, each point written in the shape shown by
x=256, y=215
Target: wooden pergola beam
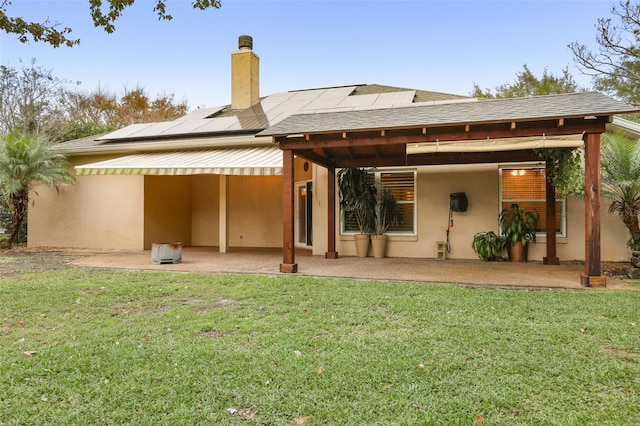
x=451, y=134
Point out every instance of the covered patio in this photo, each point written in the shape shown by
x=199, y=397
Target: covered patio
x=529, y=275
x=411, y=136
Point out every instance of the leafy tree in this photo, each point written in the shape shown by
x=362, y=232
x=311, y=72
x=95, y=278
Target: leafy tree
x=103, y=12
x=34, y=101
x=615, y=64
x=565, y=171
x=26, y=161
x=527, y=84
x=621, y=180
x=84, y=114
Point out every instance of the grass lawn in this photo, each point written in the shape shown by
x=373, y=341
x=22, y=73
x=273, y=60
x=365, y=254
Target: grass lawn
x=154, y=348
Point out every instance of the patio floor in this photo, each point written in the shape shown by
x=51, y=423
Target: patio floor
x=267, y=261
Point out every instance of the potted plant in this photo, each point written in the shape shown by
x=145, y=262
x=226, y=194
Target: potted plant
x=386, y=210
x=357, y=199
x=518, y=226
x=489, y=246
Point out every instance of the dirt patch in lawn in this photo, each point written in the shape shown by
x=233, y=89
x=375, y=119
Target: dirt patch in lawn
x=23, y=260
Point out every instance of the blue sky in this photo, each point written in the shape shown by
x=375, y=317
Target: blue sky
x=444, y=46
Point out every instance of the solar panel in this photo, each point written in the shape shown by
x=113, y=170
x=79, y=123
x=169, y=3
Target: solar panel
x=200, y=113
x=125, y=132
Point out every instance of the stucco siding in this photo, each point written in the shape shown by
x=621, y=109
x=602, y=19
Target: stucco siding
x=167, y=209
x=205, y=206
x=481, y=185
x=613, y=237
x=97, y=212
x=255, y=211
x=321, y=212
x=131, y=212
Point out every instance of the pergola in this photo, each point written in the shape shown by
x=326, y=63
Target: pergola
x=476, y=131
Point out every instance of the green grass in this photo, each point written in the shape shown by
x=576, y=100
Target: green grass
x=155, y=348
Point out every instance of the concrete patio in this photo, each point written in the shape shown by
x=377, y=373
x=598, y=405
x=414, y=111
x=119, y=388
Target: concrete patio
x=532, y=275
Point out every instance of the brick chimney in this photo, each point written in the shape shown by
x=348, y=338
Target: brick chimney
x=245, y=75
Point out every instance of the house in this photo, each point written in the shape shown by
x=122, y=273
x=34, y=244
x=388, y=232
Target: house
x=246, y=174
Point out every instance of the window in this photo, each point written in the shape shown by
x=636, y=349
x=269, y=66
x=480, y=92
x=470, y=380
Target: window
x=402, y=186
x=526, y=186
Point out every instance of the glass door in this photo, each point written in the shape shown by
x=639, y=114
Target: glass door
x=304, y=214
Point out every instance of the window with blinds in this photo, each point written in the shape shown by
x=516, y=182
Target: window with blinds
x=402, y=186
x=526, y=186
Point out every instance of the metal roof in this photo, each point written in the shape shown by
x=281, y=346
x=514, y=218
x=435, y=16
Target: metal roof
x=453, y=113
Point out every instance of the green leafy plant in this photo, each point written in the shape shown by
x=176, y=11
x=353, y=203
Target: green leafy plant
x=386, y=211
x=621, y=181
x=564, y=169
x=358, y=197
x=489, y=246
x=519, y=225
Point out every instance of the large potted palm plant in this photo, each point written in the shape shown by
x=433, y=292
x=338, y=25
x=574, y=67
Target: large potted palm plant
x=386, y=215
x=358, y=201
x=519, y=227
x=621, y=181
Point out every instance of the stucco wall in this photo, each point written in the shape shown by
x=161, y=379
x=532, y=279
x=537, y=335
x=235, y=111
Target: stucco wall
x=481, y=184
x=131, y=212
x=205, y=205
x=97, y=212
x=167, y=209
x=255, y=211
x=321, y=212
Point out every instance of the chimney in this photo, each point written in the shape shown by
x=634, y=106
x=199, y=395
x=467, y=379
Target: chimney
x=245, y=75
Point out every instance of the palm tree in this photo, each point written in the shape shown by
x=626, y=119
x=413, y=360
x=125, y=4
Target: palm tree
x=26, y=161
x=621, y=180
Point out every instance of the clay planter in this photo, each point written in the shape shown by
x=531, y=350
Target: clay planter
x=379, y=245
x=362, y=244
x=517, y=252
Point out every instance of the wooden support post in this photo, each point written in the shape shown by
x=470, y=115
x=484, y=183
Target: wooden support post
x=288, y=264
x=331, y=214
x=551, y=258
x=592, y=276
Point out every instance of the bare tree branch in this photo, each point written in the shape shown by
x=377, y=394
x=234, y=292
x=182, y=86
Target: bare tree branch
x=615, y=64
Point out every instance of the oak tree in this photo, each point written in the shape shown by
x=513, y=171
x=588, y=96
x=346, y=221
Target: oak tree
x=104, y=14
x=615, y=64
x=527, y=84
x=36, y=102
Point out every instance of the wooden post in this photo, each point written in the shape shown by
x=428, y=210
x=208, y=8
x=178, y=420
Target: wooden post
x=592, y=276
x=551, y=258
x=288, y=264
x=331, y=214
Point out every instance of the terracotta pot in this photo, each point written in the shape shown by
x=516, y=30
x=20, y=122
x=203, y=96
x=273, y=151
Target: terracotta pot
x=517, y=252
x=362, y=244
x=379, y=245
